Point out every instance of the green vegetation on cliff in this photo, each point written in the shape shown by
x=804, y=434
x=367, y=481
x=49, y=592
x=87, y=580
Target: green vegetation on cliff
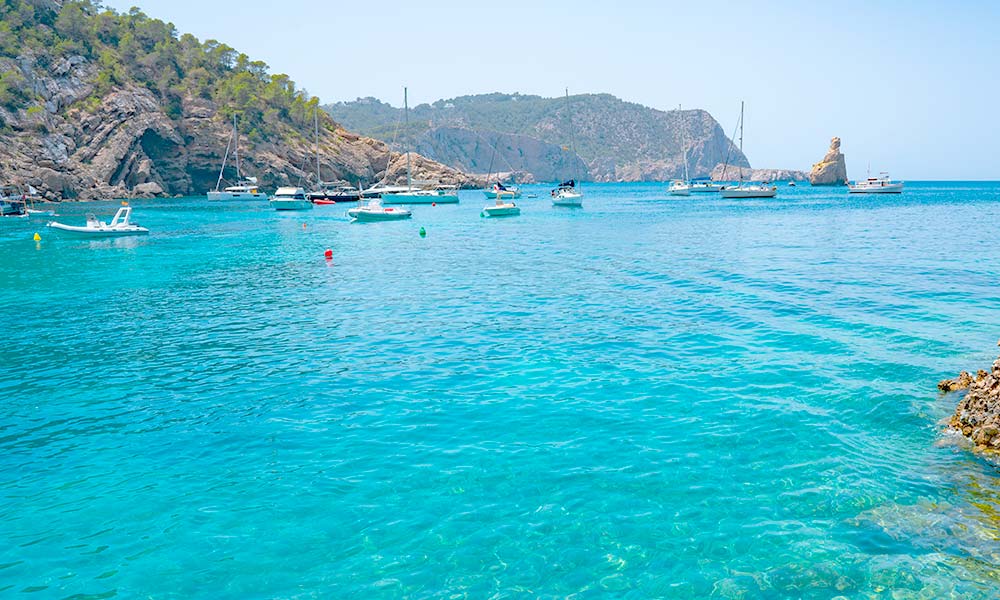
x=618, y=140
x=133, y=48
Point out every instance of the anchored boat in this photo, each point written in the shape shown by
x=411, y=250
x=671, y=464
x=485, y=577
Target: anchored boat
x=290, y=198
x=876, y=185
x=501, y=209
x=246, y=187
x=748, y=190
x=374, y=211
x=120, y=225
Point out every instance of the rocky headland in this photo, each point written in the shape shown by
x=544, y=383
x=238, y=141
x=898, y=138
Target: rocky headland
x=832, y=170
x=94, y=104
x=977, y=416
x=731, y=173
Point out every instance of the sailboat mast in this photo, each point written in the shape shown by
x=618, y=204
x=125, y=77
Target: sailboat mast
x=316, y=119
x=683, y=143
x=406, y=127
x=236, y=135
x=741, y=138
x=229, y=144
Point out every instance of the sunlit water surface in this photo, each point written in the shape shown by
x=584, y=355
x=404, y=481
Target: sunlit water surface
x=648, y=397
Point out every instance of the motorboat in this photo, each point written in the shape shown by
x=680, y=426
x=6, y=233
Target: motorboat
x=374, y=211
x=441, y=194
x=290, y=198
x=501, y=192
x=377, y=190
x=246, y=187
x=679, y=188
x=120, y=225
x=744, y=190
x=876, y=185
x=501, y=209
x=12, y=203
x=566, y=194
x=332, y=194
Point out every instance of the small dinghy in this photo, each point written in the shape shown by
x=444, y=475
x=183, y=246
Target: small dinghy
x=374, y=211
x=119, y=225
x=501, y=209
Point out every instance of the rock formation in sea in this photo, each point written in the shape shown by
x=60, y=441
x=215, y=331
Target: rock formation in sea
x=977, y=415
x=832, y=170
x=731, y=173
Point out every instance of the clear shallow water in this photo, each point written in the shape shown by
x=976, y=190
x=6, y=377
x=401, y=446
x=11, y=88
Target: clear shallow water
x=648, y=397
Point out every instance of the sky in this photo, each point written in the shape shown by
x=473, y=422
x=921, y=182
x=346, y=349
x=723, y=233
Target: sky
x=909, y=87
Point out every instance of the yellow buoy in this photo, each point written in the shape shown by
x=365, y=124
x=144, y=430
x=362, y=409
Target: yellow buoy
x=38, y=238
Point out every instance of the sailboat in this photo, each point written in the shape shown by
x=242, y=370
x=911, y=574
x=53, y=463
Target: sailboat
x=764, y=190
x=504, y=206
x=245, y=188
x=441, y=194
x=681, y=187
x=566, y=193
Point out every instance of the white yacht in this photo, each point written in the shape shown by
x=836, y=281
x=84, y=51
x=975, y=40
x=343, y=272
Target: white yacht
x=374, y=211
x=246, y=187
x=679, y=188
x=119, y=225
x=290, y=198
x=567, y=195
x=441, y=194
x=876, y=185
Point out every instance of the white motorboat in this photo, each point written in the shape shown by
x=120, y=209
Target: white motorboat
x=374, y=211
x=679, y=188
x=876, y=185
x=501, y=209
x=12, y=203
x=246, y=187
x=290, y=198
x=744, y=190
x=120, y=225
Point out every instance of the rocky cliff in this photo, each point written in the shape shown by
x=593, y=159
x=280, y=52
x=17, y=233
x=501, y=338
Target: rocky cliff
x=613, y=140
x=832, y=170
x=977, y=415
x=731, y=173
x=95, y=105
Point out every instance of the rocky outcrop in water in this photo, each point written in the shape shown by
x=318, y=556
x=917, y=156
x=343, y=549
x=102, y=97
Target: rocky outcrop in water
x=977, y=415
x=832, y=170
x=731, y=173
x=128, y=144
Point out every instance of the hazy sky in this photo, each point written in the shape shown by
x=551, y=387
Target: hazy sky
x=909, y=86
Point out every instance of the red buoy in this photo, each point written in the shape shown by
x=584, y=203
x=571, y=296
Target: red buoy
x=434, y=203
x=328, y=254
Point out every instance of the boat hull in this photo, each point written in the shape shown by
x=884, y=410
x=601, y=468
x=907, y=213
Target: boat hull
x=360, y=214
x=419, y=198
x=568, y=199
x=293, y=204
x=505, y=210
x=99, y=232
x=236, y=196
x=892, y=188
x=745, y=193
x=506, y=195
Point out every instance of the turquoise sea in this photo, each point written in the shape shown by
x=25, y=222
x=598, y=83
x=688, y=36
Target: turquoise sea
x=648, y=397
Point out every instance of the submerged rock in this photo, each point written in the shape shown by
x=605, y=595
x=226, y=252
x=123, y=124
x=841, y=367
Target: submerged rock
x=977, y=415
x=832, y=170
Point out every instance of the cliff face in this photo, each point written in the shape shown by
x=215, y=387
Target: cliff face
x=614, y=140
x=832, y=170
x=731, y=173
x=130, y=146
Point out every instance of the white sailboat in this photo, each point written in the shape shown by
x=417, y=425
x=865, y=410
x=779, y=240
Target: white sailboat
x=567, y=193
x=749, y=190
x=245, y=188
x=681, y=187
x=441, y=194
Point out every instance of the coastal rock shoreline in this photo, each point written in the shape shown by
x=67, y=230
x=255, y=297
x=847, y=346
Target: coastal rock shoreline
x=832, y=170
x=977, y=416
